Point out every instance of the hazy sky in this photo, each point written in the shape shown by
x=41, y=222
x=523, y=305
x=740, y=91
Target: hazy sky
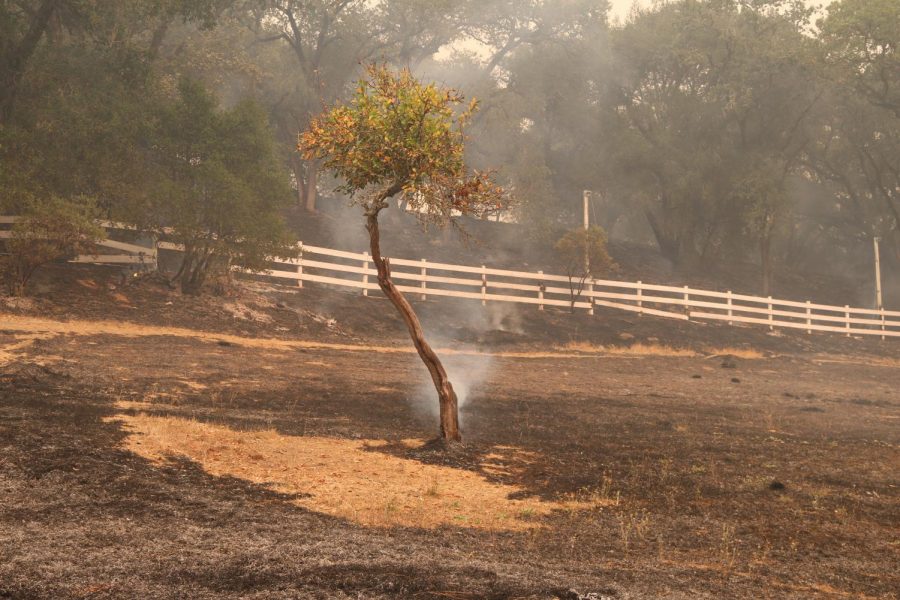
x=621, y=8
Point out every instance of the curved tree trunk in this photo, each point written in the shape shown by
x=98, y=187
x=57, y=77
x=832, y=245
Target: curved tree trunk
x=312, y=183
x=449, y=405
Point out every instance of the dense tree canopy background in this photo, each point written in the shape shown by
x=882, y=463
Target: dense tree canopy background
x=717, y=130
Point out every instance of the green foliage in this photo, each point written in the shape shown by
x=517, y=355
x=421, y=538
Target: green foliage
x=715, y=94
x=584, y=253
x=220, y=186
x=398, y=135
x=50, y=229
x=585, y=256
x=862, y=40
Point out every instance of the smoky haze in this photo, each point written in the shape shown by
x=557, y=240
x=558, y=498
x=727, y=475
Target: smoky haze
x=738, y=144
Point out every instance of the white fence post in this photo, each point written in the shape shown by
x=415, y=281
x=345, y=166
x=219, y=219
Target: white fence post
x=771, y=315
x=640, y=302
x=365, y=278
x=300, y=265
x=591, y=297
x=540, y=292
x=483, y=285
x=687, y=300
x=808, y=317
x=424, y=274
x=730, y=311
x=847, y=316
x=882, y=322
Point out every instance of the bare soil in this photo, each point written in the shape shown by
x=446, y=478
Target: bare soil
x=641, y=466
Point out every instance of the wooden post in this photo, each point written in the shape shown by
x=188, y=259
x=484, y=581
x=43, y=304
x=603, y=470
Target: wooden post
x=365, y=278
x=541, y=292
x=423, y=286
x=640, y=302
x=847, y=316
x=483, y=285
x=687, y=301
x=808, y=317
x=882, y=323
x=730, y=311
x=771, y=316
x=300, y=265
x=591, y=297
x=879, y=304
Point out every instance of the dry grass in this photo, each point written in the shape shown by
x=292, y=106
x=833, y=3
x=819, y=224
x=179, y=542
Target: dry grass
x=125, y=329
x=348, y=479
x=870, y=361
x=8, y=351
x=746, y=353
x=636, y=349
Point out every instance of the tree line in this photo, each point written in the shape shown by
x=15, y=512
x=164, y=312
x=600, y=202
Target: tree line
x=716, y=129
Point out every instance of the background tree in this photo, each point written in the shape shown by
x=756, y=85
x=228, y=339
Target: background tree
x=858, y=146
x=398, y=135
x=221, y=186
x=712, y=96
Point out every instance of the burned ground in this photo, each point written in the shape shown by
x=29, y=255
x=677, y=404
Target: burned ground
x=671, y=475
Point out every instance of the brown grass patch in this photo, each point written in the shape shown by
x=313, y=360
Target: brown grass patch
x=349, y=479
x=126, y=329
x=746, y=353
x=636, y=349
x=869, y=361
x=7, y=351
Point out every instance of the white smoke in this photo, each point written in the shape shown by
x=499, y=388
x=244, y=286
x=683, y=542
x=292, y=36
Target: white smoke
x=467, y=372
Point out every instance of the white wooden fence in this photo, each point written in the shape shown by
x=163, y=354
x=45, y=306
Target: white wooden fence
x=424, y=278
x=133, y=254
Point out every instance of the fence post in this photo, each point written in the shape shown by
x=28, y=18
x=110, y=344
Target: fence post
x=483, y=285
x=808, y=317
x=424, y=274
x=365, y=278
x=847, y=316
x=687, y=301
x=771, y=315
x=730, y=311
x=300, y=265
x=591, y=297
x=640, y=302
x=541, y=292
x=882, y=323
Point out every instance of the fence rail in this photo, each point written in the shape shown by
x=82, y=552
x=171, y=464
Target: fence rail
x=422, y=278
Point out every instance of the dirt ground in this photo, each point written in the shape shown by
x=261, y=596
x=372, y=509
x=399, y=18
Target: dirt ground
x=274, y=445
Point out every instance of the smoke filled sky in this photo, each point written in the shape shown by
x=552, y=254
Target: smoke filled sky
x=619, y=9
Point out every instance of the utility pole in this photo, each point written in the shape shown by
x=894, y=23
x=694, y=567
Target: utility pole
x=587, y=251
x=586, y=195
x=879, y=304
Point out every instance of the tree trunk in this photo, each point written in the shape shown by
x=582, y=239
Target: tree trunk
x=312, y=181
x=449, y=406
x=667, y=243
x=12, y=66
x=297, y=168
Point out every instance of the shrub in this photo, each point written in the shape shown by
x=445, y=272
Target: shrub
x=50, y=230
x=585, y=256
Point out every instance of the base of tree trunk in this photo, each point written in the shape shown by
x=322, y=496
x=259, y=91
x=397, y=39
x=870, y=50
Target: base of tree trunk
x=441, y=445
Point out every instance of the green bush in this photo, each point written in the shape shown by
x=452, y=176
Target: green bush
x=50, y=229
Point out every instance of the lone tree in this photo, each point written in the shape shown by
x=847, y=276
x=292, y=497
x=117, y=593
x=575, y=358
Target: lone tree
x=585, y=256
x=397, y=135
